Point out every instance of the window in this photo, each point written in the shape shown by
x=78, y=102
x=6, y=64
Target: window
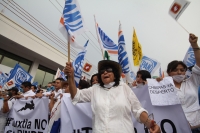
x=25, y=66
x=39, y=77
x=44, y=76
x=10, y=60
x=48, y=78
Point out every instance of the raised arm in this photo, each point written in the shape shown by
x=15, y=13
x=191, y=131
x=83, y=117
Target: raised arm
x=193, y=41
x=69, y=70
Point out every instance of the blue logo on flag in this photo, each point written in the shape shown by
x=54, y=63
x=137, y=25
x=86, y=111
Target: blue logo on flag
x=122, y=56
x=3, y=79
x=107, y=42
x=189, y=59
x=19, y=75
x=148, y=64
x=78, y=65
x=72, y=16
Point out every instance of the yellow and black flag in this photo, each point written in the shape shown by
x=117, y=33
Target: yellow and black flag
x=136, y=50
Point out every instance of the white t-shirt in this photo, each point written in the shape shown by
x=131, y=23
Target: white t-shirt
x=28, y=93
x=112, y=108
x=188, y=95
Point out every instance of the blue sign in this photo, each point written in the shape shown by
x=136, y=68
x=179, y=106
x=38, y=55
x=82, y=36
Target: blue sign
x=3, y=79
x=149, y=64
x=19, y=75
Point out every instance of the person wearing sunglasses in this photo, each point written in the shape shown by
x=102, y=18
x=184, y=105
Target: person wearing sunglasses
x=112, y=101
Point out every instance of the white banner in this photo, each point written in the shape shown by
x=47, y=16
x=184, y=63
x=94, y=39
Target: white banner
x=28, y=116
x=163, y=93
x=78, y=118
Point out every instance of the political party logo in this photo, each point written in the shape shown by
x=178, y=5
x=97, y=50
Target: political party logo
x=3, y=79
x=189, y=59
x=87, y=67
x=21, y=76
x=175, y=8
x=29, y=106
x=148, y=64
x=10, y=83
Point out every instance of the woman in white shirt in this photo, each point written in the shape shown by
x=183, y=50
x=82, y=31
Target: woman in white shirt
x=187, y=89
x=112, y=101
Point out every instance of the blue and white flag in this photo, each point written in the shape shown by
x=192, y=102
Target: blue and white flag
x=62, y=75
x=78, y=64
x=123, y=58
x=105, y=42
x=3, y=79
x=149, y=64
x=71, y=22
x=189, y=58
x=19, y=75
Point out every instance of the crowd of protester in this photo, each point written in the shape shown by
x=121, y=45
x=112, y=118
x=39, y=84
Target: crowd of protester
x=106, y=86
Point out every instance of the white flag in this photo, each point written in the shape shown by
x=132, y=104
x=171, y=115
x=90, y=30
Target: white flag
x=177, y=8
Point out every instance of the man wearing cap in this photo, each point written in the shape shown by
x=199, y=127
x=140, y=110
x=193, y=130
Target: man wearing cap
x=112, y=101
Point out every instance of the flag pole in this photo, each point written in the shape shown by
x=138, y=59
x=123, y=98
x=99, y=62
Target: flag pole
x=98, y=37
x=68, y=47
x=183, y=27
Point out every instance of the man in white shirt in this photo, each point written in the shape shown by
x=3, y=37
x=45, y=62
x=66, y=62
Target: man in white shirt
x=26, y=86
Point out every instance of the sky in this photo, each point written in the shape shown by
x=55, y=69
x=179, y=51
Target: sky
x=162, y=38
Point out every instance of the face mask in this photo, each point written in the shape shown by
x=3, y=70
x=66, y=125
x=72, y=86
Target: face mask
x=178, y=78
x=109, y=85
x=52, y=88
x=139, y=85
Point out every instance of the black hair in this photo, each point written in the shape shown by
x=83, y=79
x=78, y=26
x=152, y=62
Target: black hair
x=34, y=87
x=50, y=83
x=27, y=84
x=53, y=81
x=61, y=79
x=83, y=84
x=15, y=89
x=92, y=77
x=116, y=75
x=144, y=74
x=173, y=65
x=38, y=91
x=190, y=68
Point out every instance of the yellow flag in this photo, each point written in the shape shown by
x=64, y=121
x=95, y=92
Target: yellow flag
x=136, y=50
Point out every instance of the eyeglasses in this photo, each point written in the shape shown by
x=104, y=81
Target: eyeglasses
x=106, y=69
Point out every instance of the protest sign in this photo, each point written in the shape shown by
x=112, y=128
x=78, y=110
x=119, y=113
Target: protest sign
x=28, y=116
x=78, y=118
x=162, y=93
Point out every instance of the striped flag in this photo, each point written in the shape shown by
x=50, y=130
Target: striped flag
x=71, y=22
x=136, y=50
x=78, y=64
x=123, y=58
x=106, y=44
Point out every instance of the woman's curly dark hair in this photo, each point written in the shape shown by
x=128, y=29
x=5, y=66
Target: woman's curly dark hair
x=116, y=75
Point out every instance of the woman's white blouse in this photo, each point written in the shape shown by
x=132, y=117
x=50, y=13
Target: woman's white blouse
x=188, y=95
x=112, y=108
